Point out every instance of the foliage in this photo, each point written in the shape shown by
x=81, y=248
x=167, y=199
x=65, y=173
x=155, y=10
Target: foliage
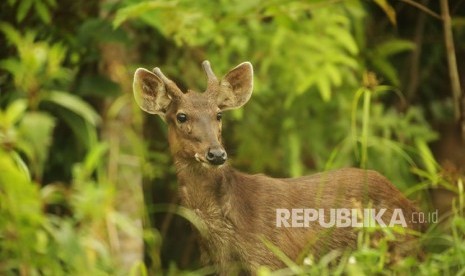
x=51, y=244
x=37, y=74
x=34, y=242
x=41, y=9
x=328, y=94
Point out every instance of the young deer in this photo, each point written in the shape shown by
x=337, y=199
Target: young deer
x=240, y=211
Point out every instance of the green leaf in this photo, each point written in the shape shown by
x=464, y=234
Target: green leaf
x=23, y=9
x=52, y=3
x=14, y=111
x=95, y=157
x=393, y=47
x=42, y=11
x=22, y=200
x=427, y=157
x=333, y=73
x=21, y=165
x=388, y=10
x=35, y=131
x=11, y=33
x=324, y=86
x=344, y=60
x=74, y=104
x=344, y=38
x=306, y=83
x=139, y=9
x=11, y=65
x=358, y=94
x=295, y=149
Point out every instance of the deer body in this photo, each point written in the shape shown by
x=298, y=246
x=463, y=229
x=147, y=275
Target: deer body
x=238, y=209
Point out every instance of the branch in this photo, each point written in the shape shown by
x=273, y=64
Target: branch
x=452, y=62
x=415, y=57
x=422, y=8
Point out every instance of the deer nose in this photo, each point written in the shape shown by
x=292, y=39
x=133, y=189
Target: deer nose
x=216, y=156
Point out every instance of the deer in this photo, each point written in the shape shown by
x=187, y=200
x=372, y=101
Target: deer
x=239, y=210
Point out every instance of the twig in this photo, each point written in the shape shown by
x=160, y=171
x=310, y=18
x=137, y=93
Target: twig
x=423, y=8
x=416, y=54
x=452, y=62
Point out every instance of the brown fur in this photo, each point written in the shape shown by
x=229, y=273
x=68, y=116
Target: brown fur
x=238, y=209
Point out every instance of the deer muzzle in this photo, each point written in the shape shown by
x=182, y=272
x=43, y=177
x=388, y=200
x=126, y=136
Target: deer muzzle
x=216, y=156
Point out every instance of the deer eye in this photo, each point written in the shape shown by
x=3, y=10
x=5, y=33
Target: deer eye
x=219, y=115
x=181, y=117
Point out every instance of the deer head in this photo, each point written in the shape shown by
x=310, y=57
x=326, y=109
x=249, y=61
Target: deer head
x=194, y=119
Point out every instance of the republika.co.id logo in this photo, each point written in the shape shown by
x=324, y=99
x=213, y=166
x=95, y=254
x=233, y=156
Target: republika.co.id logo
x=344, y=217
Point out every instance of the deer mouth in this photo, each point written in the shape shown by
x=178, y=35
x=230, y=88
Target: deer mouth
x=205, y=163
x=201, y=160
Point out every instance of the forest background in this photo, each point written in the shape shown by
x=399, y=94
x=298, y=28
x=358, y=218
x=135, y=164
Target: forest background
x=87, y=184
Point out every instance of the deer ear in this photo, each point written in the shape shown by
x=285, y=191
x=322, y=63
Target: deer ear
x=236, y=87
x=150, y=92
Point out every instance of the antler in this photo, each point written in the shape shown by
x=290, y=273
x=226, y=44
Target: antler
x=169, y=83
x=211, y=78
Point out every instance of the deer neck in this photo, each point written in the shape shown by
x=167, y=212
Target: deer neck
x=203, y=186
